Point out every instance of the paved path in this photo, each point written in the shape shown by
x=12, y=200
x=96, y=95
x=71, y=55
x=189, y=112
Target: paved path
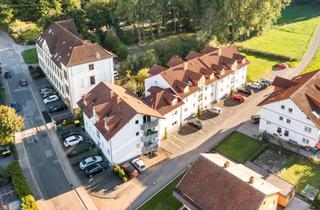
x=45, y=167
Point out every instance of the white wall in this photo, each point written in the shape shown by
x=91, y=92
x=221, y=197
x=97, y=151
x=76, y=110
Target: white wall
x=170, y=122
x=156, y=80
x=270, y=121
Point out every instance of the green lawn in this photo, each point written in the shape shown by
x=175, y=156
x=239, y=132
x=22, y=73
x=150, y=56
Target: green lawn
x=314, y=64
x=301, y=172
x=290, y=37
x=164, y=199
x=30, y=56
x=239, y=147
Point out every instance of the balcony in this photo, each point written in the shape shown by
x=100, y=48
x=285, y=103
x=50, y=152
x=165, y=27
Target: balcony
x=150, y=148
x=150, y=136
x=149, y=125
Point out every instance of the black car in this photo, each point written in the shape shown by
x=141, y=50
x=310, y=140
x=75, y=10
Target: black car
x=23, y=82
x=94, y=169
x=57, y=108
x=70, y=133
x=245, y=91
x=255, y=119
x=5, y=151
x=7, y=75
x=199, y=124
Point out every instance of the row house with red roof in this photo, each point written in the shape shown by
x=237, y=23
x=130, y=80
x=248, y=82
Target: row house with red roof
x=72, y=65
x=193, y=83
x=292, y=111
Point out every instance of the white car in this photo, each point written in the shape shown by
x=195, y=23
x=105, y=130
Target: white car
x=139, y=165
x=215, y=110
x=72, y=140
x=116, y=74
x=50, y=99
x=89, y=161
x=255, y=85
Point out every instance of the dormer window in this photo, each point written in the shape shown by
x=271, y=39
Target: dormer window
x=211, y=76
x=91, y=66
x=174, y=101
x=234, y=66
x=106, y=126
x=222, y=72
x=186, y=89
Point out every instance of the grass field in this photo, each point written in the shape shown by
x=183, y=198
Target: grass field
x=301, y=172
x=291, y=37
x=164, y=199
x=239, y=147
x=314, y=64
x=30, y=56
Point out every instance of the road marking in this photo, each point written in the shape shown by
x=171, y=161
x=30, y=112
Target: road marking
x=180, y=140
x=48, y=153
x=214, y=122
x=177, y=145
x=20, y=90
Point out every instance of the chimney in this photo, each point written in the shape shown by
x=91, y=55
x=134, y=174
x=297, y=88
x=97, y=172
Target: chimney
x=251, y=180
x=118, y=100
x=185, y=65
x=84, y=100
x=226, y=164
x=219, y=51
x=112, y=94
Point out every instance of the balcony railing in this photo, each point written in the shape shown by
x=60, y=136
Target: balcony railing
x=149, y=125
x=149, y=137
x=150, y=148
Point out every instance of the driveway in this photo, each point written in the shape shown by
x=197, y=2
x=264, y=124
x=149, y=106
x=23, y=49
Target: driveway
x=43, y=168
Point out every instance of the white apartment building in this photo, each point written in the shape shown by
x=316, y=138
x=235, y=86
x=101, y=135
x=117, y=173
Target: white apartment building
x=120, y=124
x=292, y=111
x=187, y=85
x=72, y=65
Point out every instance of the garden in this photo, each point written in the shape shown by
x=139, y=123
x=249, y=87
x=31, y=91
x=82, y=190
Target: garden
x=30, y=56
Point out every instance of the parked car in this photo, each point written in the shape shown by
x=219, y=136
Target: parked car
x=47, y=94
x=266, y=81
x=68, y=134
x=5, y=151
x=215, y=110
x=255, y=119
x=23, y=82
x=16, y=106
x=44, y=90
x=94, y=169
x=7, y=75
x=281, y=65
x=89, y=161
x=263, y=85
x=116, y=74
x=58, y=108
x=255, y=85
x=72, y=140
x=245, y=91
x=139, y=165
x=238, y=97
x=129, y=170
x=45, y=86
x=196, y=123
x=50, y=99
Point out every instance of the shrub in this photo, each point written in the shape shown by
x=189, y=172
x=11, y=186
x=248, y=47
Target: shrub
x=21, y=187
x=4, y=177
x=24, y=32
x=120, y=172
x=113, y=43
x=36, y=73
x=128, y=36
x=121, y=51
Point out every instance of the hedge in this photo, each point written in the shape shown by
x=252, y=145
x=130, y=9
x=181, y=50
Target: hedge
x=266, y=54
x=22, y=189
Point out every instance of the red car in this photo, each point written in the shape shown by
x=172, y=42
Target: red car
x=281, y=65
x=129, y=170
x=239, y=98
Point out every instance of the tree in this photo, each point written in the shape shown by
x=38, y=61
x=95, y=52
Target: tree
x=10, y=123
x=142, y=75
x=6, y=16
x=68, y=5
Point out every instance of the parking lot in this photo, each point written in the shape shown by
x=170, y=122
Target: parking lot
x=7, y=194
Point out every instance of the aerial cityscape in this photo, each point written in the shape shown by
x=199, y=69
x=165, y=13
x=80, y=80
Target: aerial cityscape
x=159, y=105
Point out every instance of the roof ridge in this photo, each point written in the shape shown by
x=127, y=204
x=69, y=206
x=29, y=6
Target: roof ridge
x=78, y=38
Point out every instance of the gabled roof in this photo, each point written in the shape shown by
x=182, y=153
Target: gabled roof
x=286, y=187
x=156, y=69
x=215, y=182
x=161, y=99
x=67, y=47
x=303, y=90
x=174, y=61
x=114, y=106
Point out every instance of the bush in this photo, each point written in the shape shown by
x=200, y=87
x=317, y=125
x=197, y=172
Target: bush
x=21, y=187
x=128, y=36
x=134, y=64
x=121, y=51
x=120, y=172
x=24, y=32
x=36, y=73
x=4, y=177
x=113, y=43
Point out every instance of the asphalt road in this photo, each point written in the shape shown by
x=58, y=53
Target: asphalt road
x=50, y=181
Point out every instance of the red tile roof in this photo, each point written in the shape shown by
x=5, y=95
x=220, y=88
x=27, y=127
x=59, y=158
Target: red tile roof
x=67, y=47
x=303, y=90
x=114, y=106
x=156, y=69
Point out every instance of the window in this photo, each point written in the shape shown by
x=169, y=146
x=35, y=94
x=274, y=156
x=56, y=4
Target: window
x=282, y=107
x=307, y=129
x=91, y=66
x=206, y=88
x=305, y=141
x=290, y=110
x=281, y=118
x=288, y=121
x=137, y=133
x=65, y=74
x=92, y=80
x=279, y=130
x=137, y=122
x=185, y=109
x=174, y=123
x=286, y=133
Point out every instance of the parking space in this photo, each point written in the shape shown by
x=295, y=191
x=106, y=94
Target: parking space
x=7, y=194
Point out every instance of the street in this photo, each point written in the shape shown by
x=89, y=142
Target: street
x=41, y=164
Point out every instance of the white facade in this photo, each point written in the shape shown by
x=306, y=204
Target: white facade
x=129, y=142
x=286, y=120
x=73, y=82
x=207, y=95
